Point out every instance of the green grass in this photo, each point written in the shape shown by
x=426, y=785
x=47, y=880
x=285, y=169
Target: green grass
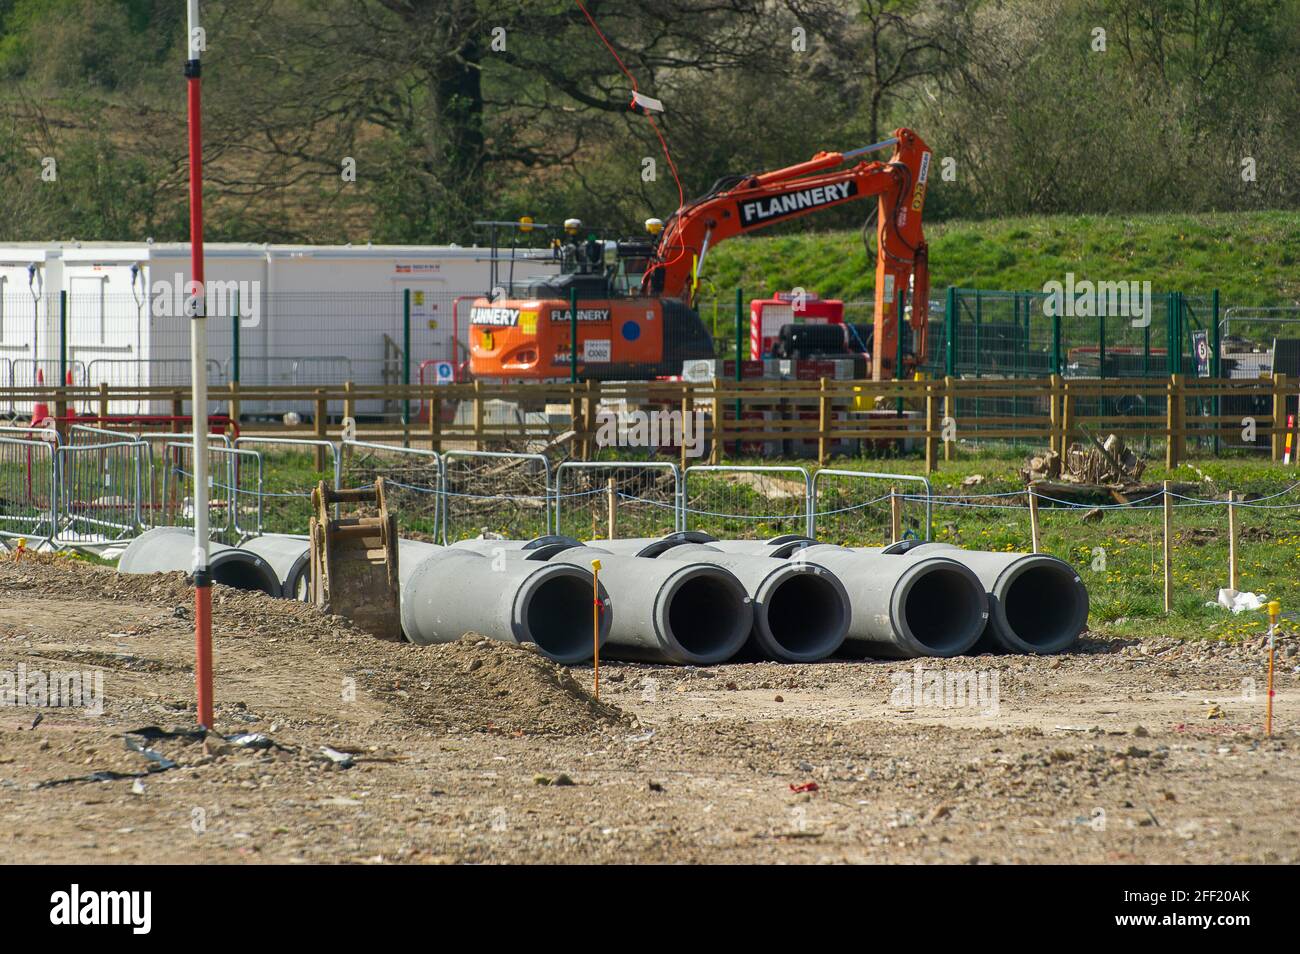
x=1253, y=258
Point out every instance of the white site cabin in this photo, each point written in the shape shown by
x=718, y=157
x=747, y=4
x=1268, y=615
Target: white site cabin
x=310, y=314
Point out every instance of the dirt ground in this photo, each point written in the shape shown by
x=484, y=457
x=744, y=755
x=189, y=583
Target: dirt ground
x=481, y=752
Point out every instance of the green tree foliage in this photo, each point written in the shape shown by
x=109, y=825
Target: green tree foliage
x=456, y=110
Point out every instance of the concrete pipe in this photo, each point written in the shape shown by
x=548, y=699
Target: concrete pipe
x=538, y=549
x=290, y=558
x=930, y=606
x=651, y=546
x=691, y=614
x=778, y=547
x=1037, y=603
x=410, y=553
x=171, y=550
x=801, y=610
x=448, y=592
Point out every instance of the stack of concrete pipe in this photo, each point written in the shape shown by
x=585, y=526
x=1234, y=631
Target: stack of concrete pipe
x=447, y=592
x=667, y=612
x=171, y=550
x=690, y=599
x=899, y=609
x=1032, y=603
x=800, y=613
x=290, y=557
x=1037, y=603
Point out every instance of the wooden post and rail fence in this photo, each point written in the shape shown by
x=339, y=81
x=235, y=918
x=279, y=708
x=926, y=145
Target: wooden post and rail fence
x=817, y=419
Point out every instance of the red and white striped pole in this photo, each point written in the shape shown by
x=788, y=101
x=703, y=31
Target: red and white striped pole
x=196, y=306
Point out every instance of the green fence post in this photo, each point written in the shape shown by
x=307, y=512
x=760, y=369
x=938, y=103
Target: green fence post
x=740, y=330
x=1056, y=343
x=1214, y=335
x=1027, y=311
x=979, y=315
x=1178, y=315
x=234, y=340
x=1017, y=359
x=406, y=355
x=1172, y=320
x=950, y=329
x=1169, y=337
x=63, y=338
x=1178, y=331
x=573, y=335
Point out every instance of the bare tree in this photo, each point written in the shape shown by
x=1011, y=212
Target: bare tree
x=873, y=51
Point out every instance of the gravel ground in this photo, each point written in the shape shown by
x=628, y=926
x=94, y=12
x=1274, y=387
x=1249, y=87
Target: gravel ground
x=1134, y=751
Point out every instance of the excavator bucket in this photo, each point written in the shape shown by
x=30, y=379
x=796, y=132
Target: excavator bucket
x=354, y=560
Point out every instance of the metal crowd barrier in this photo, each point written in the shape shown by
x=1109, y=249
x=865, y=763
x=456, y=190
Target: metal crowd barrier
x=29, y=489
x=103, y=486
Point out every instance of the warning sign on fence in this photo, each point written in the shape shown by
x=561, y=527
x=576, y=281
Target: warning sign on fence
x=1201, y=348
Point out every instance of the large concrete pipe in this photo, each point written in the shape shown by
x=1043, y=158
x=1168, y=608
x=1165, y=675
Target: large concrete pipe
x=778, y=547
x=692, y=614
x=171, y=550
x=801, y=609
x=652, y=546
x=448, y=592
x=539, y=548
x=290, y=558
x=913, y=627
x=930, y=606
x=1037, y=603
x=410, y=553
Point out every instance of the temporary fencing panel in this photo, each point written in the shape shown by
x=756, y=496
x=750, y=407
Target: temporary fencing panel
x=843, y=508
x=235, y=494
x=412, y=482
x=100, y=491
x=291, y=473
x=644, y=498
x=740, y=501
x=488, y=492
x=28, y=489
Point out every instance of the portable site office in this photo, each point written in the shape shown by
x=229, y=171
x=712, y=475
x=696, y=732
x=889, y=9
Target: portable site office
x=308, y=314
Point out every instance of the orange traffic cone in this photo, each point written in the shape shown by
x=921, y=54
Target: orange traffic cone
x=40, y=410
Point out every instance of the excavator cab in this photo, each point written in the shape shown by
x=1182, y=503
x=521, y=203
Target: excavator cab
x=529, y=332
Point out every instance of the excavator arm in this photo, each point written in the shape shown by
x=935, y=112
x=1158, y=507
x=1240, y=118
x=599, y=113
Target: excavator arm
x=747, y=203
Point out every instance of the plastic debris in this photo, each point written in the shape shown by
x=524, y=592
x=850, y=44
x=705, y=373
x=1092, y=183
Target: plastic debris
x=1240, y=602
x=341, y=759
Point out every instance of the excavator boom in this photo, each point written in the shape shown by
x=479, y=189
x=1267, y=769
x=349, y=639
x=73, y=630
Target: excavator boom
x=752, y=202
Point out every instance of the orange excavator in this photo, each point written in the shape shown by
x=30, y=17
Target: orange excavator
x=634, y=301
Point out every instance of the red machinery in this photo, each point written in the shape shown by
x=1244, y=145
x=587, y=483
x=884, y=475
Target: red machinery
x=767, y=315
x=637, y=329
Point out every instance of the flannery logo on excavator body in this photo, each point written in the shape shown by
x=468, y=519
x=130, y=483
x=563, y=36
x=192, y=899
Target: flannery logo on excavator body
x=498, y=317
